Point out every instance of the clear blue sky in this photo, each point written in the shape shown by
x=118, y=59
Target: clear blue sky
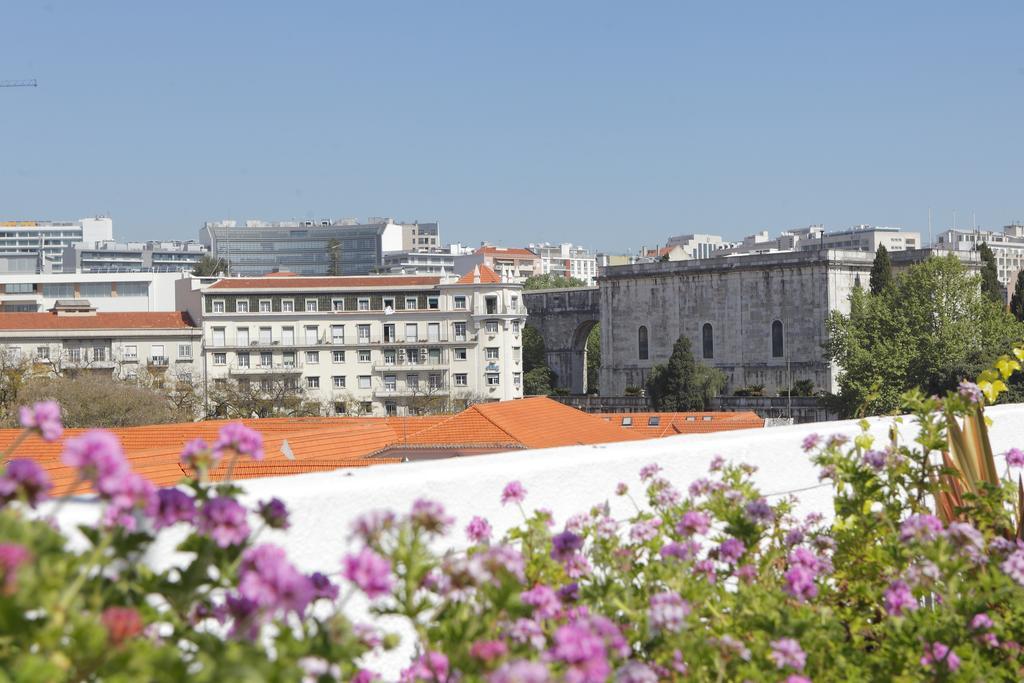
x=610, y=124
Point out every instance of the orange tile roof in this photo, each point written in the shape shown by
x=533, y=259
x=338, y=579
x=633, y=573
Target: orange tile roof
x=281, y=273
x=670, y=424
x=343, y=282
x=505, y=251
x=97, y=321
x=539, y=422
x=480, y=274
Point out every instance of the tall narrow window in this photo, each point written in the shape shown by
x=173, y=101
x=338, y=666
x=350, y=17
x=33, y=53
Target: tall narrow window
x=708, y=340
x=778, y=350
x=642, y=342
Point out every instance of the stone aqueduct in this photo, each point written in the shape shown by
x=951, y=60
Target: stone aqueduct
x=564, y=319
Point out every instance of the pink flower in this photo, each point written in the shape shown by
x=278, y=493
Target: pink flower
x=1013, y=566
x=981, y=622
x=369, y=571
x=99, y=459
x=137, y=494
x=794, y=678
x=24, y=478
x=173, y=506
x=644, y=530
x=42, y=418
x=12, y=556
x=970, y=391
x=122, y=623
x=787, y=652
x=267, y=578
x=583, y=651
x=198, y=455
x=478, y=530
x=235, y=436
x=922, y=528
x=432, y=667
x=621, y=489
x=940, y=654
x=520, y=671
x=543, y=599
x=513, y=493
x=731, y=550
x=430, y=515
x=680, y=551
x=811, y=442
x=693, y=522
x=667, y=612
x=488, y=650
x=372, y=524
x=635, y=672
x=648, y=471
x=1015, y=457
x=800, y=582
x=899, y=598
x=223, y=520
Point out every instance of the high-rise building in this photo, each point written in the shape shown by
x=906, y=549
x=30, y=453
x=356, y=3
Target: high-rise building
x=38, y=246
x=321, y=247
x=1007, y=246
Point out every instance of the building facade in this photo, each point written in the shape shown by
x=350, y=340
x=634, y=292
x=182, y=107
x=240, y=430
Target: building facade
x=699, y=245
x=566, y=260
x=418, y=262
x=108, y=256
x=107, y=292
x=383, y=345
x=511, y=264
x=761, y=319
x=344, y=247
x=38, y=246
x=1007, y=246
x=73, y=337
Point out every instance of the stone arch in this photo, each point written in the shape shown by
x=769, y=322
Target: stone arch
x=564, y=318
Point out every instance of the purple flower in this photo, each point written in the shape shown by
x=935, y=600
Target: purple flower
x=235, y=436
x=478, y=530
x=644, y=530
x=875, y=460
x=667, y=612
x=680, y=551
x=707, y=568
x=635, y=672
x=173, y=506
x=223, y=520
x=717, y=463
x=981, y=622
x=759, y=511
x=793, y=537
x=899, y=599
x=648, y=471
x=576, y=566
x=513, y=493
x=520, y=671
x=569, y=593
x=430, y=516
x=363, y=676
x=787, y=652
x=136, y=494
x=12, y=556
x=583, y=651
x=369, y=571
x=42, y=418
x=621, y=489
x=372, y=524
x=322, y=588
x=922, y=528
x=544, y=601
x=267, y=578
x=970, y=391
x=800, y=582
x=1013, y=566
x=565, y=545
x=940, y=653
x=793, y=678
x=693, y=522
x=1015, y=457
x=274, y=513
x=746, y=573
x=99, y=459
x=731, y=550
x=811, y=442
x=488, y=650
x=197, y=455
x=432, y=666
x=26, y=479
x=527, y=632
x=245, y=616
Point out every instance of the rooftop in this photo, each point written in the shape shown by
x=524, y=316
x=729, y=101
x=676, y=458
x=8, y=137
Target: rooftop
x=171, y=320
x=286, y=281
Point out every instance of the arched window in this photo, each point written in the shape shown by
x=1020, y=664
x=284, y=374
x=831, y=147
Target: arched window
x=708, y=339
x=641, y=338
x=778, y=350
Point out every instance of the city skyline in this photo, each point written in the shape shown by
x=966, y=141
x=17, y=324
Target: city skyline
x=501, y=121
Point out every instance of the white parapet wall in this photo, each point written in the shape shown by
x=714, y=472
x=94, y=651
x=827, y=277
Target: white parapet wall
x=564, y=480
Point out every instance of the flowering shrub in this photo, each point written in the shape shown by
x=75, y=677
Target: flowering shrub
x=712, y=583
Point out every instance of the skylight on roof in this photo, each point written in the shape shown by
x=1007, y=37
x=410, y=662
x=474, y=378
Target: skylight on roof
x=627, y=422
x=653, y=421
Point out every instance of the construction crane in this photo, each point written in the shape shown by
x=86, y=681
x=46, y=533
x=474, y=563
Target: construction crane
x=31, y=83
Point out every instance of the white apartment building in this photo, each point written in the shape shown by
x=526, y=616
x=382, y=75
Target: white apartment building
x=38, y=246
x=862, y=238
x=74, y=337
x=510, y=263
x=377, y=342
x=107, y=292
x=566, y=260
x=108, y=256
x=698, y=246
x=1007, y=246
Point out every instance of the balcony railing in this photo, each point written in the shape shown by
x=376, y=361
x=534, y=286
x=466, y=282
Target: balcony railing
x=257, y=368
x=158, y=361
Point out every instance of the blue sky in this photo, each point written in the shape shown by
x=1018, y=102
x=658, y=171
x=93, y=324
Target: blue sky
x=608, y=124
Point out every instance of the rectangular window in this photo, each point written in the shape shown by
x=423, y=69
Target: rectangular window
x=19, y=288
x=411, y=303
x=435, y=356
x=364, y=355
x=433, y=332
x=389, y=357
x=364, y=304
x=287, y=305
x=288, y=336
x=460, y=354
x=491, y=326
x=338, y=382
x=491, y=353
x=61, y=291
x=131, y=352
x=241, y=306
x=266, y=359
x=493, y=379
x=515, y=304
x=459, y=303
x=242, y=336
x=265, y=306
x=413, y=382
x=132, y=288
x=220, y=359
x=218, y=336
x=312, y=357
x=42, y=352
x=311, y=334
x=364, y=381
x=389, y=304
x=517, y=353
x=243, y=359
x=266, y=337
x=459, y=330
x=311, y=306
x=338, y=356
x=517, y=378
x=363, y=333
x=491, y=304
x=411, y=330
x=337, y=304
x=390, y=382
x=93, y=290
x=390, y=408
x=184, y=351
x=434, y=381
x=218, y=306
x=312, y=382
x=433, y=303
x=389, y=334
x=75, y=355
x=337, y=334
x=288, y=359
x=515, y=327
x=460, y=379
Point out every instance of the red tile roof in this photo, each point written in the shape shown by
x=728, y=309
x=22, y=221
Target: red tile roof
x=506, y=251
x=481, y=274
x=344, y=282
x=281, y=273
x=670, y=424
x=96, y=321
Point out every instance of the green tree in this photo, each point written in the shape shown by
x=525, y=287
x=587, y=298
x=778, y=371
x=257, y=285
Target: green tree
x=90, y=399
x=881, y=270
x=334, y=253
x=538, y=381
x=594, y=359
x=533, y=349
x=990, y=274
x=549, y=281
x=1017, y=300
x=682, y=384
x=210, y=265
x=932, y=328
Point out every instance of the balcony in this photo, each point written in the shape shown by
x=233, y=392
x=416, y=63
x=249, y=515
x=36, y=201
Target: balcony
x=412, y=366
x=421, y=391
x=257, y=369
x=158, y=361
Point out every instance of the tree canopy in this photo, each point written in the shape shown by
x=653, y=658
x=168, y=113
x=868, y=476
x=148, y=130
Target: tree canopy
x=682, y=384
x=210, y=265
x=990, y=286
x=932, y=328
x=881, y=270
x=1017, y=300
x=550, y=281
